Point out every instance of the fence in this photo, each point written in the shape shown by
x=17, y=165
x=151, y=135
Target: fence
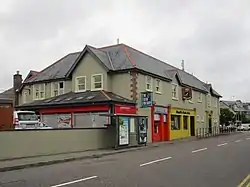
x=213, y=131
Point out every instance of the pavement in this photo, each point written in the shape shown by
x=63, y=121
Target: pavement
x=212, y=162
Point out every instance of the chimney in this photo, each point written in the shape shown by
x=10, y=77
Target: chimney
x=182, y=65
x=118, y=41
x=17, y=82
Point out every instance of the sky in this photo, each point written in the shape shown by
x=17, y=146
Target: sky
x=212, y=37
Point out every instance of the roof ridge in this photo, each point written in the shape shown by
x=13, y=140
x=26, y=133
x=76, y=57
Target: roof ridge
x=128, y=55
x=109, y=46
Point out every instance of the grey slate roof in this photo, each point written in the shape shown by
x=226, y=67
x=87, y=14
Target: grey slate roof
x=57, y=70
x=209, y=87
x=118, y=57
x=81, y=98
x=7, y=94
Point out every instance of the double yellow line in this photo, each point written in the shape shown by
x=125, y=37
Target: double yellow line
x=245, y=182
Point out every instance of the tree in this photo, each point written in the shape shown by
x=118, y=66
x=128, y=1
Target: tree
x=226, y=116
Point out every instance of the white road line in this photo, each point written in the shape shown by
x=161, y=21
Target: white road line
x=248, y=138
x=198, y=150
x=155, y=161
x=73, y=182
x=222, y=144
x=237, y=141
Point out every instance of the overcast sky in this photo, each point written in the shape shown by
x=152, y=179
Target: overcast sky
x=213, y=37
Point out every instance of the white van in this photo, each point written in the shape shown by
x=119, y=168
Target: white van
x=25, y=120
x=245, y=127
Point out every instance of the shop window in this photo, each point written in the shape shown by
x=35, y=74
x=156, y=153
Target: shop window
x=149, y=83
x=81, y=84
x=185, y=122
x=175, y=122
x=97, y=82
x=175, y=91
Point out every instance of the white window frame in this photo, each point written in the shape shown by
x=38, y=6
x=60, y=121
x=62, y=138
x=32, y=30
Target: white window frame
x=25, y=95
x=198, y=118
x=77, y=83
x=57, y=84
x=42, y=90
x=93, y=83
x=215, y=103
x=149, y=83
x=209, y=100
x=177, y=91
x=199, y=97
x=39, y=91
x=192, y=99
x=158, y=86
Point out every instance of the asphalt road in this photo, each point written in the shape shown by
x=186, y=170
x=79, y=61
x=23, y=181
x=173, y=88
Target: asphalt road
x=213, y=162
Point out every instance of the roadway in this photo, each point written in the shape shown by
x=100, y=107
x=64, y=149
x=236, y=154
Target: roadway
x=213, y=162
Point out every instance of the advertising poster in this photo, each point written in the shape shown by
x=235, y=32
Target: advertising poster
x=64, y=120
x=123, y=130
x=143, y=128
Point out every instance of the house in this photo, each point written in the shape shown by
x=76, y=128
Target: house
x=238, y=108
x=12, y=94
x=119, y=77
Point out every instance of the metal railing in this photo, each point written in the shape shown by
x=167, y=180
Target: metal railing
x=213, y=131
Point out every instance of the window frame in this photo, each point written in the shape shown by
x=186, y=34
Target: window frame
x=179, y=120
x=209, y=98
x=93, y=83
x=77, y=84
x=192, y=99
x=42, y=91
x=215, y=103
x=177, y=91
x=158, y=86
x=199, y=100
x=185, y=117
x=150, y=83
x=39, y=91
x=56, y=84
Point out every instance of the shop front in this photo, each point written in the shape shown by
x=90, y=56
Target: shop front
x=160, y=123
x=183, y=123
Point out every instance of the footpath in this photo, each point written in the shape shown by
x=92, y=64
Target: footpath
x=27, y=162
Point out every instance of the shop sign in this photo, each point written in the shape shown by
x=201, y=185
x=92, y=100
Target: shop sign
x=124, y=109
x=182, y=112
x=160, y=110
x=123, y=130
x=146, y=99
x=186, y=93
x=143, y=128
x=64, y=120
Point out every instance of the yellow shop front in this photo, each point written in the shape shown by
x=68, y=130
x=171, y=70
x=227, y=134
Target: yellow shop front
x=183, y=123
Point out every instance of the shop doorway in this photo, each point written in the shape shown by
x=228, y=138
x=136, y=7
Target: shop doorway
x=192, y=126
x=210, y=124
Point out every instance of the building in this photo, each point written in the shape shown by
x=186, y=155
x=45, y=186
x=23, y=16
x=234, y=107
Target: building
x=175, y=101
x=238, y=107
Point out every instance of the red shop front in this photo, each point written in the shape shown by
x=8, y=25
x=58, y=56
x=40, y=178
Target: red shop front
x=160, y=123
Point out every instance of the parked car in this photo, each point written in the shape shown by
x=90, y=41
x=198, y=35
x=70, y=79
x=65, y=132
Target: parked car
x=25, y=120
x=246, y=127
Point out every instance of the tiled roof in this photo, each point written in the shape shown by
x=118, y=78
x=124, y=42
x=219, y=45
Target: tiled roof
x=57, y=70
x=7, y=94
x=88, y=97
x=118, y=57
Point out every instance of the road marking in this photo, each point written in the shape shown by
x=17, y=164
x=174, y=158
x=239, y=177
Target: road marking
x=198, y=150
x=155, y=161
x=248, y=138
x=237, y=141
x=73, y=182
x=244, y=182
x=222, y=144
